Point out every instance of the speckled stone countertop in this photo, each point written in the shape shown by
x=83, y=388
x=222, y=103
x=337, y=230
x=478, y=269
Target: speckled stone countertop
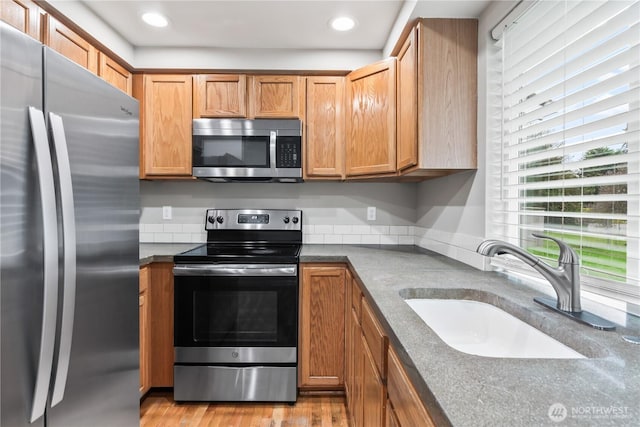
x=460, y=389
x=162, y=252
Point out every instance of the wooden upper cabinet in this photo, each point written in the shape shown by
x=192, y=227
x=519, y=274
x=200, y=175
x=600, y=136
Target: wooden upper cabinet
x=115, y=73
x=322, y=307
x=62, y=39
x=220, y=95
x=165, y=124
x=443, y=55
x=325, y=121
x=276, y=97
x=407, y=106
x=22, y=14
x=371, y=120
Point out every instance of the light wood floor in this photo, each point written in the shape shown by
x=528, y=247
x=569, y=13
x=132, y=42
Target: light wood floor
x=159, y=409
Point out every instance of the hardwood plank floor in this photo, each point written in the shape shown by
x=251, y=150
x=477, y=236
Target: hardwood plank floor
x=159, y=409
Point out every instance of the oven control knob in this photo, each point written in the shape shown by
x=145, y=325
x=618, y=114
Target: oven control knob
x=295, y=219
x=286, y=220
x=220, y=219
x=211, y=219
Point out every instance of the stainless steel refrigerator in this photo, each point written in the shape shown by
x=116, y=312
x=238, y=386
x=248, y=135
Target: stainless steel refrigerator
x=69, y=213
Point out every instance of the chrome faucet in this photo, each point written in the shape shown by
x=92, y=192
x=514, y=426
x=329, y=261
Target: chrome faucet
x=565, y=279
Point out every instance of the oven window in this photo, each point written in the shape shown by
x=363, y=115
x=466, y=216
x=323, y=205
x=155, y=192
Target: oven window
x=248, y=316
x=235, y=311
x=231, y=151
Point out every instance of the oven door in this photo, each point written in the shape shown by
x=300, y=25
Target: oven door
x=235, y=313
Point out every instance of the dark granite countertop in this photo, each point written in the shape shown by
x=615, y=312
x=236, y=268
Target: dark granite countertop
x=465, y=390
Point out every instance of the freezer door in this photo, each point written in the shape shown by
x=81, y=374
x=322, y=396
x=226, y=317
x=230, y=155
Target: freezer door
x=96, y=378
x=21, y=237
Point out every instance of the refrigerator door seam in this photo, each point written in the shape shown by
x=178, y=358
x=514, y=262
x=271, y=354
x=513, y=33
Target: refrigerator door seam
x=69, y=251
x=50, y=249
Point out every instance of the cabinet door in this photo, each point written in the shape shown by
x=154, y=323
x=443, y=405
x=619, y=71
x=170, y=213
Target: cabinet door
x=161, y=325
x=322, y=327
x=348, y=341
x=22, y=14
x=371, y=119
x=407, y=105
x=448, y=63
x=114, y=73
x=220, y=95
x=62, y=39
x=403, y=397
x=324, y=149
x=275, y=96
x=392, y=418
x=355, y=411
x=165, y=146
x=373, y=391
x=143, y=302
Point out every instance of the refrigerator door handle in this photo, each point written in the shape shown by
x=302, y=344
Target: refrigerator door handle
x=69, y=239
x=50, y=250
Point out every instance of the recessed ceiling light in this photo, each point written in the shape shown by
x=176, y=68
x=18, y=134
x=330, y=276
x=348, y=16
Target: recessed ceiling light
x=155, y=19
x=342, y=23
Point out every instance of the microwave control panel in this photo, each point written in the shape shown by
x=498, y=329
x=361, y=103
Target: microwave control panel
x=288, y=152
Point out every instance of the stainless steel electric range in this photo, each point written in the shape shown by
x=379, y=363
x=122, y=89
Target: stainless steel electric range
x=236, y=309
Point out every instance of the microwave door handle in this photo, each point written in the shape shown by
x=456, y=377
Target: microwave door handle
x=272, y=150
x=50, y=264
x=69, y=236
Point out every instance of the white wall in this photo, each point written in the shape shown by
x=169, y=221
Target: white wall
x=253, y=59
x=213, y=58
x=332, y=212
x=451, y=211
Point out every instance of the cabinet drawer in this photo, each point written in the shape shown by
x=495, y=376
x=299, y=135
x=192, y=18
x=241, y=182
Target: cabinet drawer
x=375, y=338
x=403, y=397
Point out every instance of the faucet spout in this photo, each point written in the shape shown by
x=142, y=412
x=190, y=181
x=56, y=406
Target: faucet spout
x=565, y=279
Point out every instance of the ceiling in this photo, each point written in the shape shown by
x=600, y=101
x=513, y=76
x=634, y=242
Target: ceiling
x=270, y=24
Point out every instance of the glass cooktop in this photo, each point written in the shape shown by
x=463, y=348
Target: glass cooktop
x=241, y=253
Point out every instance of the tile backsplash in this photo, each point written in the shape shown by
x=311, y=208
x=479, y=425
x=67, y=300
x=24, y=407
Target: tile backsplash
x=332, y=212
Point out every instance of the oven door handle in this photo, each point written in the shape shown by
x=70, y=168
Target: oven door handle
x=235, y=270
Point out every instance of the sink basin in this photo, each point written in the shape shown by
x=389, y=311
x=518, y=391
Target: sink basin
x=484, y=330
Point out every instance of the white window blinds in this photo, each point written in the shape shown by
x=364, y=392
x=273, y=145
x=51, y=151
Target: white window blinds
x=567, y=158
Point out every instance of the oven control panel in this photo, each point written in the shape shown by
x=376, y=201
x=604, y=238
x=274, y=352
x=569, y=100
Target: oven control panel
x=253, y=219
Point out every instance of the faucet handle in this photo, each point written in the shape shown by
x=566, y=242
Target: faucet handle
x=567, y=254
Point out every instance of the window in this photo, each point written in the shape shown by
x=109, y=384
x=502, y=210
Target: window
x=567, y=156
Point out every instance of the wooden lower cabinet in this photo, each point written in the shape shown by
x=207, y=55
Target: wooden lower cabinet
x=366, y=392
x=391, y=417
x=378, y=391
x=403, y=397
x=373, y=390
x=322, y=296
x=143, y=301
x=354, y=398
x=160, y=324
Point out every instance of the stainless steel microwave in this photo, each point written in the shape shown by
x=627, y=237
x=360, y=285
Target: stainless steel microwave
x=265, y=150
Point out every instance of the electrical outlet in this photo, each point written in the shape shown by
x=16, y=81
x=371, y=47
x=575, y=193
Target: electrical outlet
x=166, y=212
x=371, y=213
